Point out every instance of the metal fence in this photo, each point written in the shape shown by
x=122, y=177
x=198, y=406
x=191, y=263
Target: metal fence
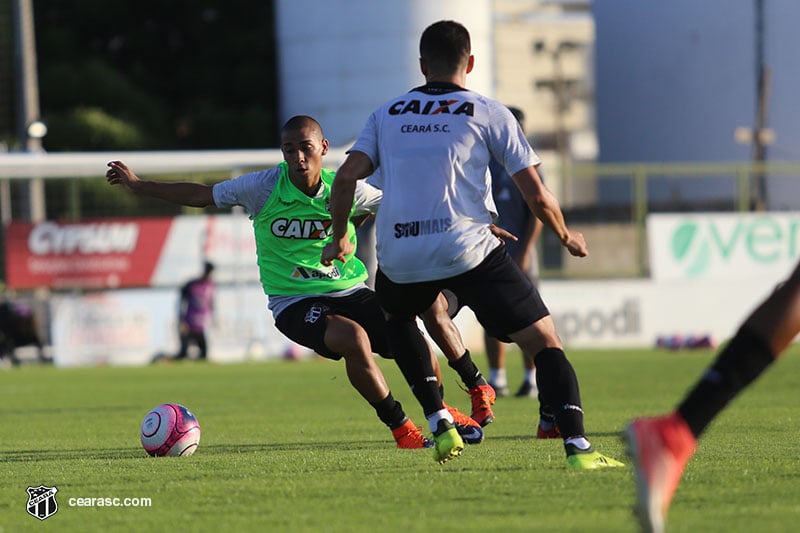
x=608, y=202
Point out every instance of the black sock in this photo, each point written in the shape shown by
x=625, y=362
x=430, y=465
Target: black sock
x=745, y=357
x=558, y=389
x=390, y=412
x=412, y=355
x=467, y=371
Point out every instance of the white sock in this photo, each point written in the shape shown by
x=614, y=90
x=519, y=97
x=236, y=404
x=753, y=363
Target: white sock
x=497, y=376
x=433, y=419
x=579, y=442
x=530, y=376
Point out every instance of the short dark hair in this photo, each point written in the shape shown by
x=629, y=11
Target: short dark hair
x=208, y=268
x=445, y=46
x=301, y=121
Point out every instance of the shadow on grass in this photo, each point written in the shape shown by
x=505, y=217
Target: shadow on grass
x=102, y=454
x=532, y=437
x=66, y=410
x=292, y=446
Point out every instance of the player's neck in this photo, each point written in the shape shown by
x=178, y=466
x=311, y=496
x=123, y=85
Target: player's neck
x=459, y=79
x=309, y=187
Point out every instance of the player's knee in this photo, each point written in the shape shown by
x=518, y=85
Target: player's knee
x=537, y=336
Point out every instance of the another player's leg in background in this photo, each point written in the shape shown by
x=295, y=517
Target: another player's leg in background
x=662, y=446
x=184, y=336
x=498, y=378
x=202, y=346
x=496, y=354
x=528, y=387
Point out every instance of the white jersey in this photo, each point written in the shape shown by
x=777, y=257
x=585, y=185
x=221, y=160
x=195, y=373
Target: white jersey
x=431, y=148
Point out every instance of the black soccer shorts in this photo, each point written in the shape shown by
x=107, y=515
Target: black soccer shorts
x=502, y=297
x=305, y=322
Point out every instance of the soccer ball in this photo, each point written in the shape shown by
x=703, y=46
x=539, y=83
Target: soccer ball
x=170, y=429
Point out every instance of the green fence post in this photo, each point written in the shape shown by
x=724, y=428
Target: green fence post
x=640, y=217
x=743, y=188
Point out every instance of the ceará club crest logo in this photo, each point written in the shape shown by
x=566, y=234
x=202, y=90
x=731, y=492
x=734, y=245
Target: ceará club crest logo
x=42, y=501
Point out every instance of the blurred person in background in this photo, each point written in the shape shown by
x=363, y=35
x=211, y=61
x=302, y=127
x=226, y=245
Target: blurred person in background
x=514, y=216
x=195, y=313
x=18, y=328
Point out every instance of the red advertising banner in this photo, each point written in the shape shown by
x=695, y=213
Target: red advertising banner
x=103, y=253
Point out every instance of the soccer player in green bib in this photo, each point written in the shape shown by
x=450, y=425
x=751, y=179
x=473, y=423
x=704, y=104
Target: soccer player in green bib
x=329, y=309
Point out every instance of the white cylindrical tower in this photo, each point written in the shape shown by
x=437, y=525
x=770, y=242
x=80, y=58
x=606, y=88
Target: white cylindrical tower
x=340, y=59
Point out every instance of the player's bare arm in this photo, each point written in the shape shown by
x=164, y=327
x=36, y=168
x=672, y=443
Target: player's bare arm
x=355, y=167
x=182, y=193
x=546, y=208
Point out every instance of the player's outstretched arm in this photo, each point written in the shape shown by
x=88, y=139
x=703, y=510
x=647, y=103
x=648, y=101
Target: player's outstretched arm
x=183, y=193
x=356, y=166
x=546, y=208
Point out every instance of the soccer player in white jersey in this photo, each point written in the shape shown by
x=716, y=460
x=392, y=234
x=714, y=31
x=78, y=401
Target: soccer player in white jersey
x=433, y=146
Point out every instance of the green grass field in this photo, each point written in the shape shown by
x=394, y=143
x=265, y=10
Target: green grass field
x=289, y=446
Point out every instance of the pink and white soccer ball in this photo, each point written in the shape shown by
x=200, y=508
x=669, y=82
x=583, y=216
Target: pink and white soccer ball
x=170, y=429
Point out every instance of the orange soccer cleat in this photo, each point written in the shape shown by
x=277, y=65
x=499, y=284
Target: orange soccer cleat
x=483, y=398
x=409, y=436
x=660, y=448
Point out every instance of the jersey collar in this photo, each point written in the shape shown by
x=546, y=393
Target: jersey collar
x=438, y=87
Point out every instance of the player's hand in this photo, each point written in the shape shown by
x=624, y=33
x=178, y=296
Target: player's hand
x=502, y=234
x=360, y=220
x=576, y=244
x=119, y=174
x=336, y=250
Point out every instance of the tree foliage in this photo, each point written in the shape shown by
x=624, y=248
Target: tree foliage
x=157, y=75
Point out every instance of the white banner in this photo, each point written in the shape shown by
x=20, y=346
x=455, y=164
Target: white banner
x=131, y=327
x=112, y=327
x=634, y=313
x=225, y=240
x=716, y=246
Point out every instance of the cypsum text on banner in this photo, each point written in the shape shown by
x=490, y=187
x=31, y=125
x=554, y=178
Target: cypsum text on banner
x=132, y=252
x=100, y=253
